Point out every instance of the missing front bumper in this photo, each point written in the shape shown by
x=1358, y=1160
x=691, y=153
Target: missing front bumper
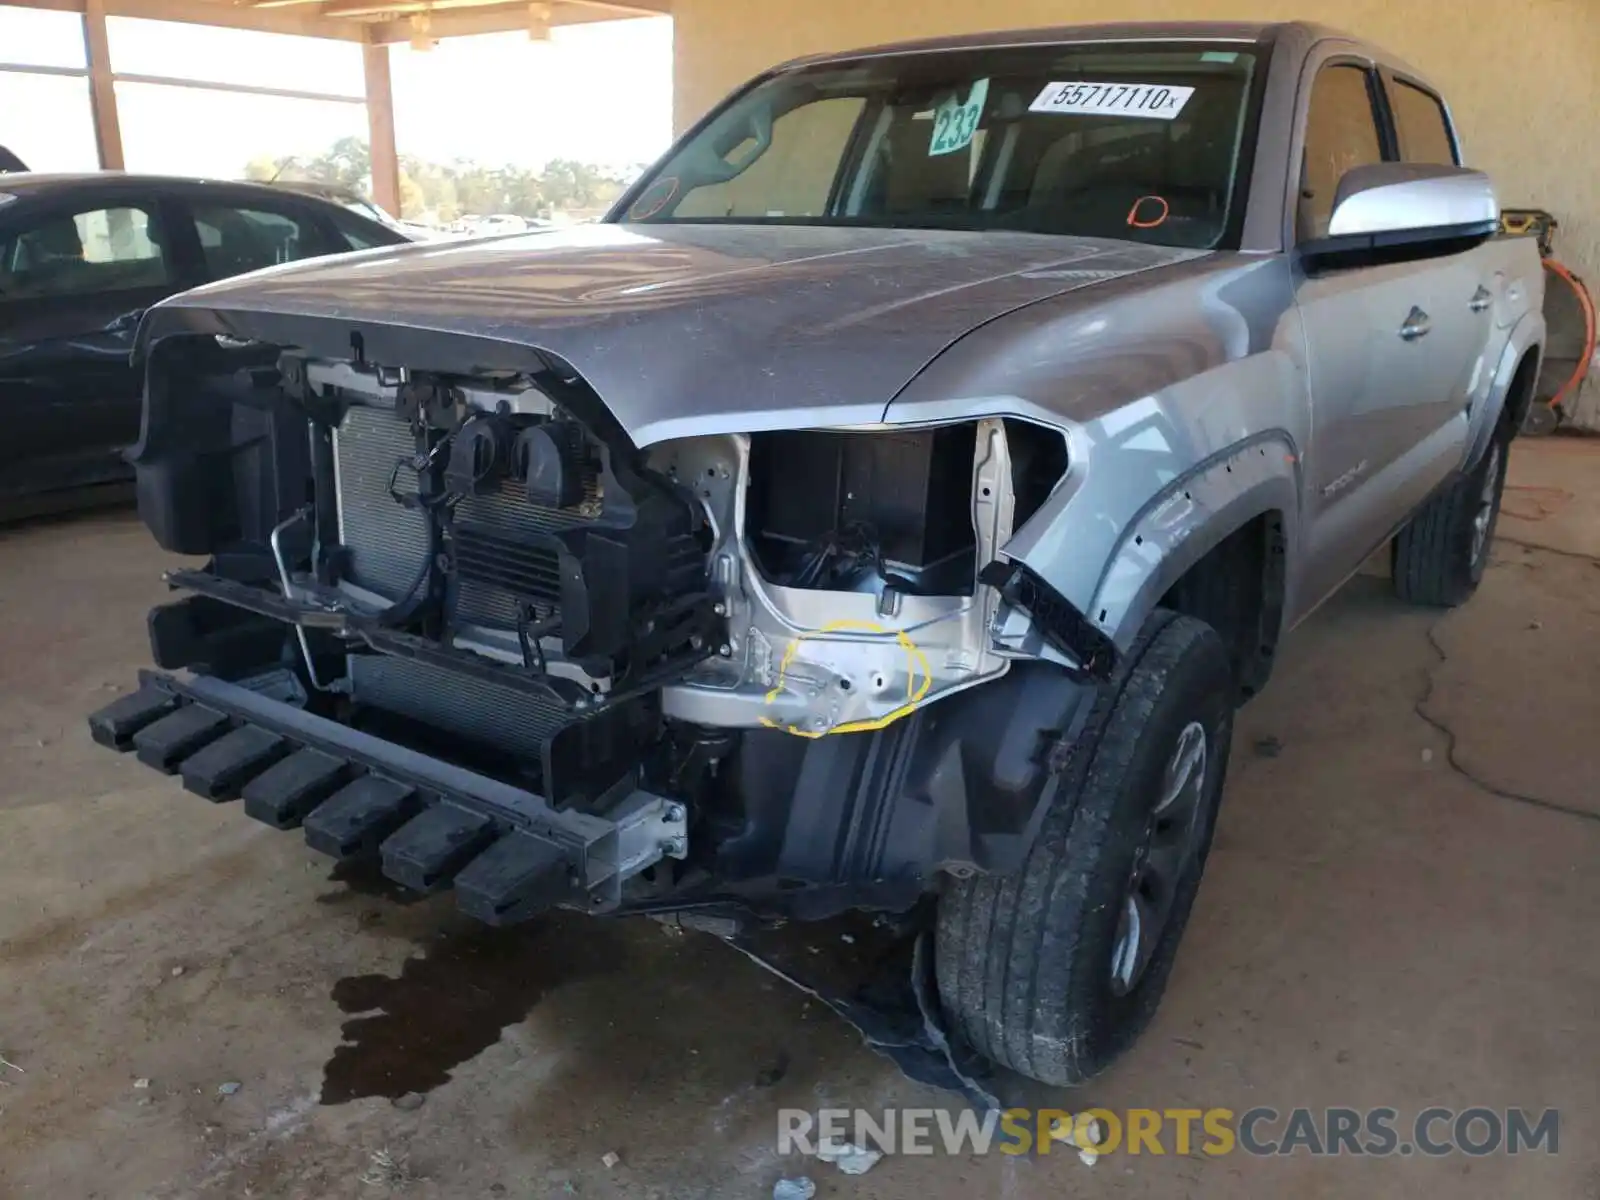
x=507, y=852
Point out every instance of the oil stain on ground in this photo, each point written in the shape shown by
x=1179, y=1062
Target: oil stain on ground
x=450, y=1003
x=359, y=877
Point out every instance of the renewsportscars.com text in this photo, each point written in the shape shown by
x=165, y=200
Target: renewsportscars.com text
x=1260, y=1131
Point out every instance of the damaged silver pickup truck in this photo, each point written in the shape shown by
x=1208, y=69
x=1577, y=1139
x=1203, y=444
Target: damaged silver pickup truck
x=884, y=508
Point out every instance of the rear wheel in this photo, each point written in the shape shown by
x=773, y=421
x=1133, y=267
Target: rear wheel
x=1438, y=559
x=1055, y=970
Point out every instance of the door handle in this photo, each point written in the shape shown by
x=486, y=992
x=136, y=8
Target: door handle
x=126, y=323
x=1481, y=299
x=1418, y=325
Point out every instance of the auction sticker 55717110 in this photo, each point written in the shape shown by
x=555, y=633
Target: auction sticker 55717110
x=1161, y=102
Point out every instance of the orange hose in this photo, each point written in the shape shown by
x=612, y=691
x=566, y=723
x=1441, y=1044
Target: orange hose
x=1586, y=303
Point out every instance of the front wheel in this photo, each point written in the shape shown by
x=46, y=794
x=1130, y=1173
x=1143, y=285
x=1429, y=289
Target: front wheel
x=1439, y=557
x=1054, y=970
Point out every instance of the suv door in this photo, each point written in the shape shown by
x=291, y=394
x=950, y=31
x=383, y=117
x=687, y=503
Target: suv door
x=1465, y=286
x=1382, y=350
x=74, y=280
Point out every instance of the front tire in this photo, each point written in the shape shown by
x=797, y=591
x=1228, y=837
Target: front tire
x=1439, y=557
x=1055, y=970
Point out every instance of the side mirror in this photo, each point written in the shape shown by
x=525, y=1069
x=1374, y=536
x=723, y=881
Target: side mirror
x=1388, y=205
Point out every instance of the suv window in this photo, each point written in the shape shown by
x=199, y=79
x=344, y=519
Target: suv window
x=236, y=240
x=1341, y=133
x=1424, y=128
x=70, y=254
x=359, y=235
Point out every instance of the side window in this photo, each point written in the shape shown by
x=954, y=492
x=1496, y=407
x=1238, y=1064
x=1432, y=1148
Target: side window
x=794, y=177
x=1341, y=132
x=359, y=235
x=1424, y=128
x=236, y=240
x=71, y=254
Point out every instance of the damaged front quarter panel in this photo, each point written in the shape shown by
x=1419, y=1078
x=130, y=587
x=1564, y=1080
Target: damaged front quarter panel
x=1183, y=403
x=813, y=661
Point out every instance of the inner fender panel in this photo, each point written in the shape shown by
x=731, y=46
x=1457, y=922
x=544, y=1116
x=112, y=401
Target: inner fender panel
x=962, y=784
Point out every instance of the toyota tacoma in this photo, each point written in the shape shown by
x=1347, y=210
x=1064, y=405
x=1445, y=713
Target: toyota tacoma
x=884, y=508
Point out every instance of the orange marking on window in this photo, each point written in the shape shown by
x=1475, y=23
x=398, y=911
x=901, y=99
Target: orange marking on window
x=656, y=197
x=1133, y=213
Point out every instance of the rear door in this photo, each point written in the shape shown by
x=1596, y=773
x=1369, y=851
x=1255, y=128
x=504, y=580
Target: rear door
x=74, y=279
x=238, y=234
x=1464, y=286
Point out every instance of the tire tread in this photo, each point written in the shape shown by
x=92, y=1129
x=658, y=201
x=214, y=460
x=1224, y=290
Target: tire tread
x=1431, y=559
x=994, y=987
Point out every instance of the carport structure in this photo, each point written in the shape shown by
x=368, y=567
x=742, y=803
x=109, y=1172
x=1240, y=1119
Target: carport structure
x=1521, y=78
x=373, y=24
x=1538, y=59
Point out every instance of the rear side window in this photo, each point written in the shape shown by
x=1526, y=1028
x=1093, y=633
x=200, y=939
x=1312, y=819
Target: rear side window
x=1341, y=133
x=236, y=240
x=360, y=235
x=74, y=254
x=1424, y=128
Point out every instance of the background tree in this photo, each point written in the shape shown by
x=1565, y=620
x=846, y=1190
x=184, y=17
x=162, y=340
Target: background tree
x=446, y=191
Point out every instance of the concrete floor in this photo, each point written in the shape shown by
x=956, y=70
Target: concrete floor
x=1377, y=927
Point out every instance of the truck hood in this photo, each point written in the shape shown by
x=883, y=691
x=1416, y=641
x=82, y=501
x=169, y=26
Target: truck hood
x=690, y=328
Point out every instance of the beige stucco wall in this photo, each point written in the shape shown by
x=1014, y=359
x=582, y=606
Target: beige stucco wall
x=1523, y=76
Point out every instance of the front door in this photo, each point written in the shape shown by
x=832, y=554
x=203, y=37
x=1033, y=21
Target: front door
x=74, y=281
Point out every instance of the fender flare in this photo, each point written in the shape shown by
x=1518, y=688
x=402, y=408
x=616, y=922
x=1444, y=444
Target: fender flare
x=1188, y=518
x=1527, y=335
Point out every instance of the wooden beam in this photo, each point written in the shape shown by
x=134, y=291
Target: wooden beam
x=499, y=18
x=594, y=9
x=633, y=8
x=229, y=16
x=218, y=12
x=102, y=87
x=490, y=18
x=75, y=6
x=382, y=8
x=380, y=129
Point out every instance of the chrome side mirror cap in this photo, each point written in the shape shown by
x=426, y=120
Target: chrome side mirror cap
x=1401, y=198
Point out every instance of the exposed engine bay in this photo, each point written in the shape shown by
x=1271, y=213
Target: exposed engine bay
x=481, y=568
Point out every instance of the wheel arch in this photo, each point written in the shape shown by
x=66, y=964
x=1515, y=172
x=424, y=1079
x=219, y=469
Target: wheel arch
x=1516, y=377
x=1235, y=513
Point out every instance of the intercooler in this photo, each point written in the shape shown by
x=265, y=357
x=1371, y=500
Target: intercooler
x=387, y=544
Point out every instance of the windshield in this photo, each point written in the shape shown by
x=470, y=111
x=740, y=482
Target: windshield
x=1127, y=140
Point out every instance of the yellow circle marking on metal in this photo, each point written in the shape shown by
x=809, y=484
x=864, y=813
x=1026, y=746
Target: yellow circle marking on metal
x=916, y=662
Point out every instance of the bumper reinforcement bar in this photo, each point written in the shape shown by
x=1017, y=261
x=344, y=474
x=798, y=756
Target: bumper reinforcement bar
x=507, y=853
